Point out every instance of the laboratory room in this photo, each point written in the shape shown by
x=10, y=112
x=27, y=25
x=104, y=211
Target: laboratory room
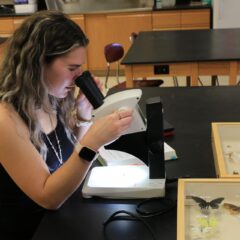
x=119, y=119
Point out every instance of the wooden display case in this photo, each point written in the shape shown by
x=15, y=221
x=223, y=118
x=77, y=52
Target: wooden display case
x=226, y=149
x=208, y=209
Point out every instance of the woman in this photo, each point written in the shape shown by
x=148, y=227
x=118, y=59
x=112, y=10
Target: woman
x=44, y=154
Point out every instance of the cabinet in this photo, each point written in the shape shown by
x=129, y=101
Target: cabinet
x=195, y=19
x=2, y=45
x=181, y=19
x=117, y=27
x=120, y=26
x=17, y=22
x=9, y=24
x=6, y=26
x=102, y=29
x=79, y=19
x=96, y=31
x=166, y=20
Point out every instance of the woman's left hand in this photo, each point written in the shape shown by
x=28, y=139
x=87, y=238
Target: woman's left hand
x=83, y=106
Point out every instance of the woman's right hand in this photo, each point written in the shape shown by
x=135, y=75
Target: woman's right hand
x=107, y=129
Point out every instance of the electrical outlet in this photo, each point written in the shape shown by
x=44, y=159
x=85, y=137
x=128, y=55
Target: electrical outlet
x=161, y=69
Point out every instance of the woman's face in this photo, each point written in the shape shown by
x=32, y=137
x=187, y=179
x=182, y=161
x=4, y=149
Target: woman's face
x=60, y=74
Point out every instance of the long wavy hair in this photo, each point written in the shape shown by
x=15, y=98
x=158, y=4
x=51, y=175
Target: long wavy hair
x=40, y=39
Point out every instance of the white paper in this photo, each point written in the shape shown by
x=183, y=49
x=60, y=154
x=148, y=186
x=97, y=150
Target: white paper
x=114, y=157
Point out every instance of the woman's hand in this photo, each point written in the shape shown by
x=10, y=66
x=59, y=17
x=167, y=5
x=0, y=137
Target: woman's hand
x=107, y=129
x=83, y=106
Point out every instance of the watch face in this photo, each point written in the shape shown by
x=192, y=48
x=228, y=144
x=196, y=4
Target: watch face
x=87, y=154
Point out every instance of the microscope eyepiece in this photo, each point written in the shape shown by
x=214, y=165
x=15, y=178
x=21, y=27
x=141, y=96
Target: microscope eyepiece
x=90, y=89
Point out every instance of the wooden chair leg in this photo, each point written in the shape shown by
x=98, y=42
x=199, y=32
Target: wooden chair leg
x=175, y=81
x=215, y=81
x=201, y=83
x=188, y=81
x=117, y=74
x=107, y=75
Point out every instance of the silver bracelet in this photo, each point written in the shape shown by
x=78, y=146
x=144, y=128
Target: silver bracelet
x=83, y=123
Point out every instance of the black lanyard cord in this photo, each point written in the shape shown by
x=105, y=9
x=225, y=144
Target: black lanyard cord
x=163, y=205
x=127, y=216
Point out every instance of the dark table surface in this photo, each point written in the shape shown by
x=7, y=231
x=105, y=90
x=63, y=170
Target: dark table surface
x=184, y=46
x=191, y=111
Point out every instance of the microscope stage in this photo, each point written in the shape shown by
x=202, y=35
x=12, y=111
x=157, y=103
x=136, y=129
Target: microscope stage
x=122, y=182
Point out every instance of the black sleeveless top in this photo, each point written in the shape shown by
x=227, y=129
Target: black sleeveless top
x=19, y=215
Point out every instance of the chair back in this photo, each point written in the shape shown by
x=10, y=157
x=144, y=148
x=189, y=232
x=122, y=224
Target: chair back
x=113, y=52
x=133, y=36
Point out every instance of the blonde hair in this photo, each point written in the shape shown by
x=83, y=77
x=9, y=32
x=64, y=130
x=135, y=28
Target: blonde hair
x=40, y=39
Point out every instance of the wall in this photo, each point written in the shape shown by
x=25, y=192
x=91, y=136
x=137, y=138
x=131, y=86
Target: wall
x=226, y=14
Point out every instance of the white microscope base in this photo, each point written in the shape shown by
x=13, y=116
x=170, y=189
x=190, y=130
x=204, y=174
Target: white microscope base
x=122, y=182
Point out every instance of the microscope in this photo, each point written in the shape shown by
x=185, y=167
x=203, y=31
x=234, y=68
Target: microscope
x=130, y=181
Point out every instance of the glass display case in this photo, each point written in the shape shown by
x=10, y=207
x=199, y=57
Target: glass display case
x=208, y=209
x=226, y=149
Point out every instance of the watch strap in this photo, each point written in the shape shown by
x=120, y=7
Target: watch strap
x=83, y=123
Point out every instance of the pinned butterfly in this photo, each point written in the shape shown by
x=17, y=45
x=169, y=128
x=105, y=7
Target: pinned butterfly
x=203, y=204
x=233, y=209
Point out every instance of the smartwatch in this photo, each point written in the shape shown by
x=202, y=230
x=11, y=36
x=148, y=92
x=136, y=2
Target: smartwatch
x=86, y=153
